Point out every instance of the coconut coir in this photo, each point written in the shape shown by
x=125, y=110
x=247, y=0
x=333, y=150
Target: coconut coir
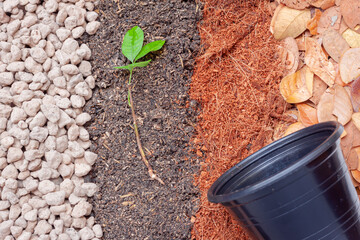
x=236, y=81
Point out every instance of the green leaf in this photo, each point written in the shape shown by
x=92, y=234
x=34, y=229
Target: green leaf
x=132, y=43
x=130, y=67
x=150, y=47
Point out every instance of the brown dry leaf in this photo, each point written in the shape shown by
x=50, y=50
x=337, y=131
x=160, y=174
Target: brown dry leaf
x=356, y=175
x=356, y=120
x=300, y=41
x=295, y=4
x=323, y=4
x=293, y=128
x=289, y=54
x=343, y=26
x=352, y=160
x=352, y=139
x=319, y=89
x=318, y=63
x=350, y=11
x=352, y=37
x=355, y=94
x=312, y=24
x=357, y=150
x=297, y=87
x=308, y=115
x=350, y=65
x=330, y=19
x=342, y=105
x=326, y=106
x=288, y=22
x=334, y=44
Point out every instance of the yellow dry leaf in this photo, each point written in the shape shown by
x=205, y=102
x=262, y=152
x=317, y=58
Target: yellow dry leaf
x=293, y=128
x=297, y=87
x=326, y=106
x=288, y=22
x=356, y=175
x=308, y=114
x=318, y=62
x=352, y=37
x=350, y=65
x=334, y=44
x=356, y=119
x=343, y=109
x=343, y=134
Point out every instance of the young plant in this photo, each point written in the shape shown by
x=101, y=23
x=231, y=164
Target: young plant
x=133, y=49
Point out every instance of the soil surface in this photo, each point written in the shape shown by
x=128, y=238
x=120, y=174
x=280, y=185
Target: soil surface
x=129, y=205
x=236, y=81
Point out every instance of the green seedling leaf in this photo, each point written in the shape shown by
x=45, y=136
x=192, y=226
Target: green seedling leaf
x=150, y=47
x=130, y=67
x=132, y=43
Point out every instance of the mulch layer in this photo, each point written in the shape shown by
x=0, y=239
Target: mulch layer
x=129, y=205
x=236, y=80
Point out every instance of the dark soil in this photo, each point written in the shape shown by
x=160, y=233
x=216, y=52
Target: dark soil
x=129, y=205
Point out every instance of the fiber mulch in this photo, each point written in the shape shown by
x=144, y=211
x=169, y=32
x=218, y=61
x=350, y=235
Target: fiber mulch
x=236, y=81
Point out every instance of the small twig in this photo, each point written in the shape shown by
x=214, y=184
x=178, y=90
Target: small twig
x=143, y=157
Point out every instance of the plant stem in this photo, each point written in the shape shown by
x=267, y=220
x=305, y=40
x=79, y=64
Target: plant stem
x=143, y=157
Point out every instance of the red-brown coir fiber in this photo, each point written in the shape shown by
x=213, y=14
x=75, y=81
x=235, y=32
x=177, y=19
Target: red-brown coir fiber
x=236, y=80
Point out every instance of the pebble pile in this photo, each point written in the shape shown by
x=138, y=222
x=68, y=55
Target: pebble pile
x=45, y=79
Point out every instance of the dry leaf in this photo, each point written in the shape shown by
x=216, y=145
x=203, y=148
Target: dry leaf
x=297, y=87
x=350, y=11
x=334, y=44
x=350, y=65
x=343, y=26
x=352, y=139
x=352, y=161
x=295, y=4
x=308, y=115
x=289, y=54
x=353, y=135
x=288, y=22
x=279, y=130
x=323, y=4
x=352, y=37
x=342, y=105
x=319, y=89
x=355, y=94
x=293, y=128
x=312, y=24
x=344, y=133
x=318, y=63
x=356, y=175
x=326, y=106
x=357, y=150
x=330, y=19
x=356, y=120
x=300, y=41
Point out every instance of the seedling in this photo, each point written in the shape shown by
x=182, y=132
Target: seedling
x=133, y=49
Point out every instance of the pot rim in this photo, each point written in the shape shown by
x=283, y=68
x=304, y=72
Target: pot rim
x=265, y=184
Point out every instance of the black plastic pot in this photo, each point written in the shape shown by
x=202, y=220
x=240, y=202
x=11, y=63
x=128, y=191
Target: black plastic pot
x=298, y=187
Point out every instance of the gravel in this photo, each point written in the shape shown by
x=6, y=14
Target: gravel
x=45, y=79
